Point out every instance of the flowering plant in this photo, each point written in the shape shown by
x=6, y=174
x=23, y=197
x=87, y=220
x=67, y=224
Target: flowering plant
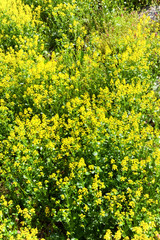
x=79, y=123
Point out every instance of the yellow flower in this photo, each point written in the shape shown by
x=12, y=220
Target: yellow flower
x=62, y=197
x=47, y=211
x=118, y=235
x=98, y=201
x=114, y=167
x=108, y=235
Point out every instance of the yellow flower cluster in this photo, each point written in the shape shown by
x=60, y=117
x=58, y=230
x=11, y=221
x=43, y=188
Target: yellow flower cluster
x=79, y=128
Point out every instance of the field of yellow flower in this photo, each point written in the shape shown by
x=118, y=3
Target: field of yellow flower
x=79, y=121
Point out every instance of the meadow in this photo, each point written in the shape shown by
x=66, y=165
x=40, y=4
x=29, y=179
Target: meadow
x=79, y=120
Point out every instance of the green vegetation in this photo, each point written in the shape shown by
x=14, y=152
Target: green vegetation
x=79, y=121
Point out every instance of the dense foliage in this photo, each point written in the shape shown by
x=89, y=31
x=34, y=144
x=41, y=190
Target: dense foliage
x=79, y=121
